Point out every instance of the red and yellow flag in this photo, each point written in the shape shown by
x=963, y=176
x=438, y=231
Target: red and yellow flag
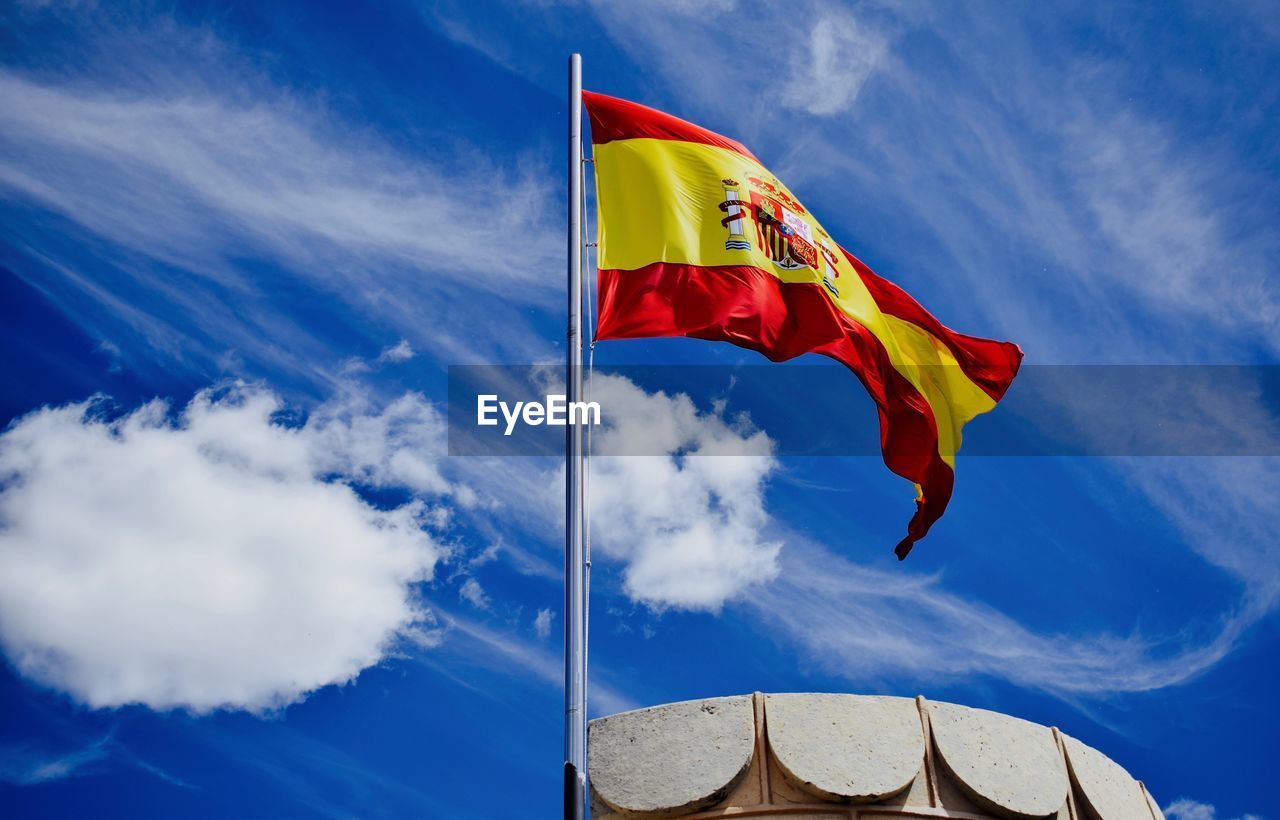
x=698, y=239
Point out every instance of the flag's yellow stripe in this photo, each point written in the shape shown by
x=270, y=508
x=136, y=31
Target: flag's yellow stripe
x=933, y=370
x=659, y=201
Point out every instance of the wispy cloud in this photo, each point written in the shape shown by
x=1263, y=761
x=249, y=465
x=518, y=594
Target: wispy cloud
x=169, y=174
x=398, y=353
x=29, y=766
x=473, y=643
x=817, y=59
x=693, y=532
x=325, y=778
x=24, y=766
x=191, y=160
x=1176, y=220
x=842, y=54
x=1222, y=507
x=865, y=624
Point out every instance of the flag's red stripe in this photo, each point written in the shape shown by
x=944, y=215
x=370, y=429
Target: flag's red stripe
x=753, y=309
x=615, y=119
x=990, y=365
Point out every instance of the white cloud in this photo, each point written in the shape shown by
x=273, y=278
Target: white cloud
x=826, y=78
x=474, y=594
x=1187, y=809
x=398, y=353
x=402, y=351
x=1184, y=808
x=400, y=446
x=676, y=499
x=689, y=525
x=205, y=562
x=542, y=623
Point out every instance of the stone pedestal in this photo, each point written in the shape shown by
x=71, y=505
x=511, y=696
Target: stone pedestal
x=811, y=756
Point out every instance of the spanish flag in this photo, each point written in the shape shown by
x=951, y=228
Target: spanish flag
x=698, y=239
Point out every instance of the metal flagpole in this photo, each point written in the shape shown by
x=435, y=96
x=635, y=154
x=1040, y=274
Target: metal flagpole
x=575, y=649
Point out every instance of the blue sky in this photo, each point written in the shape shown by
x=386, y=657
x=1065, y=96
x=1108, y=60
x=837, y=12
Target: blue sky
x=286, y=220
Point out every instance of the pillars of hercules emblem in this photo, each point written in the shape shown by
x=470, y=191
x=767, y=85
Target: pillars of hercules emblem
x=734, y=220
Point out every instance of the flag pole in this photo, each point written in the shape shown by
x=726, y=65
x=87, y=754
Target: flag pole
x=575, y=649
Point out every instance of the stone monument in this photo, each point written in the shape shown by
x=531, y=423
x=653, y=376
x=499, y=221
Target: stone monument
x=856, y=757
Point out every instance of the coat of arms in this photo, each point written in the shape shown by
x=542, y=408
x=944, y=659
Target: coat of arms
x=780, y=230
